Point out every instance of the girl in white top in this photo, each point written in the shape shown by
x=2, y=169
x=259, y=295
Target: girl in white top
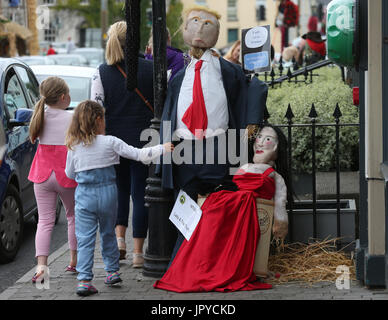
x=90, y=161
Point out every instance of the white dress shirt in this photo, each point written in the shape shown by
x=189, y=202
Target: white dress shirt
x=213, y=93
x=104, y=152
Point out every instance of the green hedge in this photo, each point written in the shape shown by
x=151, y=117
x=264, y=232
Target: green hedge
x=325, y=92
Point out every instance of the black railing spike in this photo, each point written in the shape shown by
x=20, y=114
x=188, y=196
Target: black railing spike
x=306, y=72
x=289, y=74
x=337, y=112
x=313, y=112
x=272, y=74
x=289, y=114
x=266, y=114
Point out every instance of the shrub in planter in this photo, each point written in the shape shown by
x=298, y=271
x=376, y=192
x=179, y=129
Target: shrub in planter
x=325, y=92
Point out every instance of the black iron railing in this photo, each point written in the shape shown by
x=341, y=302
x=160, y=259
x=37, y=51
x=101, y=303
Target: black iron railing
x=313, y=125
x=298, y=74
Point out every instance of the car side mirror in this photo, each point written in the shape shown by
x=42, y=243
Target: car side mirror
x=22, y=118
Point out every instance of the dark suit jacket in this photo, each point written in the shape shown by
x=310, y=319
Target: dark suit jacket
x=246, y=101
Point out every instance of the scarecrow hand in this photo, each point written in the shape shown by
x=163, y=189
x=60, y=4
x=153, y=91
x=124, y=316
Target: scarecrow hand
x=280, y=229
x=250, y=131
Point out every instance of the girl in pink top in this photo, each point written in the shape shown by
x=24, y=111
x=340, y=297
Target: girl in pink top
x=49, y=124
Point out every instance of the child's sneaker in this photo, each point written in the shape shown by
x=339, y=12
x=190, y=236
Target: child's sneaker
x=112, y=278
x=85, y=289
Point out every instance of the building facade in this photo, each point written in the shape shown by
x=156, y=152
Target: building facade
x=241, y=14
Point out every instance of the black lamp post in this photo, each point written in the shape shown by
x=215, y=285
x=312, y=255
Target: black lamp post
x=161, y=232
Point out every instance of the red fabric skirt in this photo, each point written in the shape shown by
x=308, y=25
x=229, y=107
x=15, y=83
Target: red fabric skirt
x=221, y=252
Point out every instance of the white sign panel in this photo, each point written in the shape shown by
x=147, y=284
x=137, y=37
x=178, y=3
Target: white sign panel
x=185, y=214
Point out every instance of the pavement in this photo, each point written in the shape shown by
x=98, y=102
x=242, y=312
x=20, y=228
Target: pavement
x=135, y=286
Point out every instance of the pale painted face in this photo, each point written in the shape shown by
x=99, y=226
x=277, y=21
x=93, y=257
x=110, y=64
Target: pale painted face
x=265, y=146
x=201, y=30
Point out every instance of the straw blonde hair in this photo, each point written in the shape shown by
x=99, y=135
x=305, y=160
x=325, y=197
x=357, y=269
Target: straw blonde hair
x=116, y=42
x=186, y=13
x=84, y=125
x=229, y=54
x=51, y=89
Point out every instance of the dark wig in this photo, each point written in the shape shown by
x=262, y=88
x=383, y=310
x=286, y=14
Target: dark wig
x=281, y=162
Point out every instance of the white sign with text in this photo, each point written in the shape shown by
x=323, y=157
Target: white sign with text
x=185, y=214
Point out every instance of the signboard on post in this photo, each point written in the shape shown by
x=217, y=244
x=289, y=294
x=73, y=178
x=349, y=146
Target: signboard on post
x=256, y=49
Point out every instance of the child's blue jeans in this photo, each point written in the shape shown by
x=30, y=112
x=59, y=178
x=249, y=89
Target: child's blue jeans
x=96, y=205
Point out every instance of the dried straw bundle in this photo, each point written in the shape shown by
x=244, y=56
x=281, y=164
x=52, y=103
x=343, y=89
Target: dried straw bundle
x=310, y=263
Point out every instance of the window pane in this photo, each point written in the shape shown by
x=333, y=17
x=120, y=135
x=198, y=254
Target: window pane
x=232, y=35
x=232, y=10
x=14, y=97
x=30, y=84
x=79, y=88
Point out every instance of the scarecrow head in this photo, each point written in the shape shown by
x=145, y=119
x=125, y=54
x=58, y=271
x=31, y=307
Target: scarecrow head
x=265, y=146
x=201, y=27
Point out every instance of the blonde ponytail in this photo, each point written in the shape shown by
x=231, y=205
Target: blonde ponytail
x=116, y=42
x=50, y=90
x=36, y=124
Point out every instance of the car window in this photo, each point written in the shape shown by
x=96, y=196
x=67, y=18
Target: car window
x=79, y=87
x=13, y=94
x=30, y=83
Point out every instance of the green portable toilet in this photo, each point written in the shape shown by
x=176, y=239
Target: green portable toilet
x=341, y=29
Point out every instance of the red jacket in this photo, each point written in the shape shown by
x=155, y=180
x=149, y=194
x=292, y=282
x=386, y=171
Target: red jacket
x=51, y=51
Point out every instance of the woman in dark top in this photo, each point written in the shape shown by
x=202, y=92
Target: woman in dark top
x=126, y=116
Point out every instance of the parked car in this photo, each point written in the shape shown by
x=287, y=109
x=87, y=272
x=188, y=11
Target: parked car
x=34, y=60
x=79, y=79
x=95, y=56
x=19, y=92
x=69, y=59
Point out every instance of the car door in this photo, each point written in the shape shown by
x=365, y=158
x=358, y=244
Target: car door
x=20, y=150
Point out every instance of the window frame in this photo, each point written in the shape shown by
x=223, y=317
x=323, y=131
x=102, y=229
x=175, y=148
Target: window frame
x=232, y=13
x=258, y=5
x=32, y=79
x=7, y=77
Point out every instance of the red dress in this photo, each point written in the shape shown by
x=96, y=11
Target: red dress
x=221, y=252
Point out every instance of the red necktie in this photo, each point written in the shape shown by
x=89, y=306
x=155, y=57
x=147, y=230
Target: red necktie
x=195, y=116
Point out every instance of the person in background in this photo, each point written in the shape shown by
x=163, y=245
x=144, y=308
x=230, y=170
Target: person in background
x=313, y=48
x=175, y=57
x=90, y=161
x=233, y=54
x=312, y=24
x=49, y=124
x=287, y=16
x=70, y=46
x=127, y=115
x=51, y=50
